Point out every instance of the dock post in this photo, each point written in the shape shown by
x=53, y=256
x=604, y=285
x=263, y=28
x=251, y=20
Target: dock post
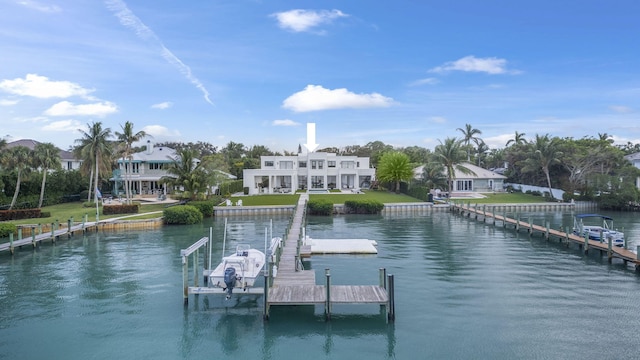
x=265, y=310
x=39, y=229
x=609, y=249
x=297, y=260
x=20, y=233
x=566, y=234
x=11, y=248
x=33, y=234
x=546, y=234
x=185, y=279
x=391, y=311
x=53, y=234
x=637, y=252
x=504, y=219
x=69, y=228
x=484, y=213
x=518, y=223
x=586, y=243
x=327, y=303
x=383, y=278
x=196, y=254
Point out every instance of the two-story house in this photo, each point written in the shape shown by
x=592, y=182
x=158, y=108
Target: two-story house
x=68, y=161
x=315, y=171
x=146, y=169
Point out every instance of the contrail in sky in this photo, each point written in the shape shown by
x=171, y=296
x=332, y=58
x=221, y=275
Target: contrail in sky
x=128, y=19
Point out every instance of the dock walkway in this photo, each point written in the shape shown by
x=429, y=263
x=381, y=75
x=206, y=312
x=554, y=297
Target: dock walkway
x=480, y=212
x=294, y=285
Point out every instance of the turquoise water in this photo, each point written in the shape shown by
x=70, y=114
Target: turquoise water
x=464, y=290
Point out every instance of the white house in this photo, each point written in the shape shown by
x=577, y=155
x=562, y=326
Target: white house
x=635, y=160
x=67, y=160
x=147, y=168
x=481, y=181
x=314, y=171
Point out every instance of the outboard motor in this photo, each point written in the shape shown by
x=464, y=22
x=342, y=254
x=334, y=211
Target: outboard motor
x=230, y=280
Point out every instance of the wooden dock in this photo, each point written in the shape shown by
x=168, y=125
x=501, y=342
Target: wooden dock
x=294, y=285
x=565, y=235
x=291, y=284
x=35, y=235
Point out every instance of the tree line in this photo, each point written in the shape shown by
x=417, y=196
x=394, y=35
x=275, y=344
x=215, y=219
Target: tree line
x=584, y=168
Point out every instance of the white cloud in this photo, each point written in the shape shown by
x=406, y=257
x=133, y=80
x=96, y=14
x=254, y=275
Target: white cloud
x=315, y=97
x=285, y=122
x=159, y=131
x=162, y=105
x=41, y=87
x=426, y=81
x=621, y=109
x=438, y=119
x=6, y=102
x=299, y=20
x=471, y=63
x=39, y=6
x=66, y=108
x=130, y=20
x=63, y=125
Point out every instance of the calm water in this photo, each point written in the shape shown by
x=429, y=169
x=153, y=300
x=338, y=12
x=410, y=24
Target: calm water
x=464, y=290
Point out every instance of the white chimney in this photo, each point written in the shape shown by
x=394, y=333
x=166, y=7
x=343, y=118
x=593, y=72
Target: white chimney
x=149, y=147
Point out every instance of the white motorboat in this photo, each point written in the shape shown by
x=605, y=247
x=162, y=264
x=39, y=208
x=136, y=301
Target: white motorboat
x=242, y=268
x=239, y=270
x=602, y=231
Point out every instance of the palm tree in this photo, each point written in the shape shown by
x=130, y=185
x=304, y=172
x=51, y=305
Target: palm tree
x=433, y=175
x=46, y=157
x=469, y=134
x=394, y=166
x=17, y=159
x=188, y=173
x=94, y=146
x=544, y=153
x=517, y=139
x=451, y=155
x=481, y=149
x=126, y=138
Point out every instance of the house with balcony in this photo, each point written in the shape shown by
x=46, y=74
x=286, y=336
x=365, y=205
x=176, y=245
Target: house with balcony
x=311, y=171
x=144, y=171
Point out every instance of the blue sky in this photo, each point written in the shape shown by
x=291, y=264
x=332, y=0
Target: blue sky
x=256, y=72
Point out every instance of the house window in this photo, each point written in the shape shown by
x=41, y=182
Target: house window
x=69, y=165
x=316, y=164
x=286, y=164
x=302, y=164
x=135, y=167
x=268, y=163
x=317, y=182
x=464, y=185
x=331, y=164
x=347, y=165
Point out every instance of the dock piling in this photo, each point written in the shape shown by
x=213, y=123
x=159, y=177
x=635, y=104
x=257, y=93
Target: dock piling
x=391, y=308
x=327, y=304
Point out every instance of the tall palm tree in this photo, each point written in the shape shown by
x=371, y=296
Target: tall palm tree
x=544, y=153
x=481, y=149
x=451, y=155
x=394, y=166
x=17, y=159
x=517, y=139
x=46, y=156
x=469, y=134
x=188, y=174
x=126, y=138
x=96, y=148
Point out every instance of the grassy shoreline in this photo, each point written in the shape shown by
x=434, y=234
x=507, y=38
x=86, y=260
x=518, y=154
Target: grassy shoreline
x=63, y=212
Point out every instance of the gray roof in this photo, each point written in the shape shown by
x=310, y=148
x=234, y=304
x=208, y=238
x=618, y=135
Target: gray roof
x=480, y=173
x=158, y=154
x=31, y=144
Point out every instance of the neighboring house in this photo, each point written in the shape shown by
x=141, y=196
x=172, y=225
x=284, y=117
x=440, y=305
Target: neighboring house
x=317, y=171
x=147, y=168
x=67, y=160
x=481, y=181
x=634, y=159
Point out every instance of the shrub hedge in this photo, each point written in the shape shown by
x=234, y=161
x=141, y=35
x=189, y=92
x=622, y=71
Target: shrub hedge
x=205, y=207
x=363, y=206
x=18, y=214
x=182, y=215
x=320, y=207
x=120, y=209
x=6, y=229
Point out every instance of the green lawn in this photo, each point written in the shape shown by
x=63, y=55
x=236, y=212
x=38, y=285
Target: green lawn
x=63, y=212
